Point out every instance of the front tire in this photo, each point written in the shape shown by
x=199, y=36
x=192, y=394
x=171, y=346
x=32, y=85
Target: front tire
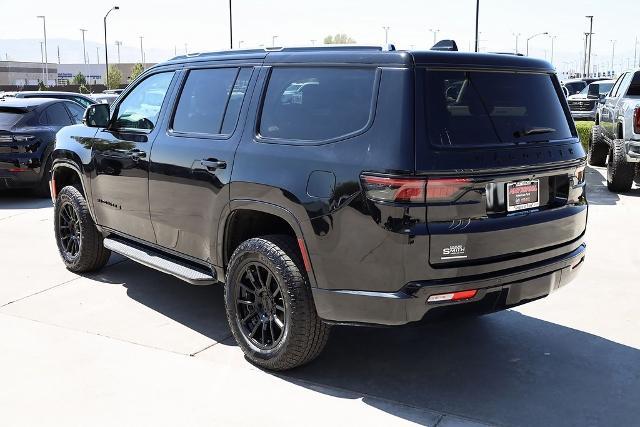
x=269, y=305
x=79, y=242
x=597, y=154
x=620, y=173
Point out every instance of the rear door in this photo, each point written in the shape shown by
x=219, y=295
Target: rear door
x=504, y=166
x=608, y=108
x=191, y=160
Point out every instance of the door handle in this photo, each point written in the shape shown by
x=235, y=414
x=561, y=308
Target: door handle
x=213, y=164
x=137, y=154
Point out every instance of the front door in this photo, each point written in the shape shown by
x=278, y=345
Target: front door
x=121, y=151
x=191, y=161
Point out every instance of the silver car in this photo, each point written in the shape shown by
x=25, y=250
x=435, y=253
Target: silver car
x=584, y=105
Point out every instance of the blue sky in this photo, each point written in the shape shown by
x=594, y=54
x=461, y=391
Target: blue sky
x=203, y=25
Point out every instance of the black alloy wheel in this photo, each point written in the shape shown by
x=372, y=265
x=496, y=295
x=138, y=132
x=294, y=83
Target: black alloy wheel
x=69, y=230
x=260, y=306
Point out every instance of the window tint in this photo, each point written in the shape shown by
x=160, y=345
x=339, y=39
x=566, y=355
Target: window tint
x=141, y=107
x=634, y=88
x=77, y=112
x=314, y=104
x=203, y=100
x=57, y=115
x=235, y=101
x=478, y=108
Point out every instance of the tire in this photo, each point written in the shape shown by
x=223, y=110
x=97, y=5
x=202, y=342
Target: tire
x=598, y=148
x=79, y=244
x=299, y=335
x=620, y=173
x=42, y=190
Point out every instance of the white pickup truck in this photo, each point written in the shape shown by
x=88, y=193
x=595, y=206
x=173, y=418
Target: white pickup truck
x=615, y=138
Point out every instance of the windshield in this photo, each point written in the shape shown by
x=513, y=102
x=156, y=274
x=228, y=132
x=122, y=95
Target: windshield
x=600, y=88
x=467, y=108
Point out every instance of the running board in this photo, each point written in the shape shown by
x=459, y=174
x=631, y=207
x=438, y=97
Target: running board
x=160, y=262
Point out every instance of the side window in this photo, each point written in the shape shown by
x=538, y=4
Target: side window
x=76, y=111
x=57, y=115
x=235, y=101
x=203, y=101
x=141, y=107
x=316, y=104
x=625, y=84
x=616, y=86
x=634, y=87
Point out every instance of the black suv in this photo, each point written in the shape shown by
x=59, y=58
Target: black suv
x=325, y=186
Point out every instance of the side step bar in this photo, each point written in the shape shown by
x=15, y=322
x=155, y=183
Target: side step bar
x=159, y=262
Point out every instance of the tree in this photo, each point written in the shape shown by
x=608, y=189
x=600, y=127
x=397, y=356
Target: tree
x=136, y=71
x=114, y=79
x=79, y=79
x=339, y=38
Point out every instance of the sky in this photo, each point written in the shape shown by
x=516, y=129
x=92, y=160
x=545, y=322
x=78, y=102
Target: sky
x=204, y=26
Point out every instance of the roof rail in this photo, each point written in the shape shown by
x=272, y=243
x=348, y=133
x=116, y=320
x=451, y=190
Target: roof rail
x=280, y=49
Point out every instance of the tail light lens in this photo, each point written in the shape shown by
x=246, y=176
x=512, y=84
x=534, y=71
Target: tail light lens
x=413, y=190
x=636, y=120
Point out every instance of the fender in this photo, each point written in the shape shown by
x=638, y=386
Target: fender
x=86, y=189
x=260, y=206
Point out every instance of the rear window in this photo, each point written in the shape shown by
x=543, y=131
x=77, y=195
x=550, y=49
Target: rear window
x=10, y=116
x=634, y=87
x=469, y=108
x=316, y=104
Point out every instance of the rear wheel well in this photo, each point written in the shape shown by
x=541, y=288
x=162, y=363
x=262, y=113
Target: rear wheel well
x=64, y=176
x=245, y=224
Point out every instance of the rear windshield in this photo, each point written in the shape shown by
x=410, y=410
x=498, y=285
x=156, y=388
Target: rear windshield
x=10, y=116
x=470, y=108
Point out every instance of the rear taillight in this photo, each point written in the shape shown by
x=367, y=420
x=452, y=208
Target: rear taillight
x=413, y=190
x=636, y=120
x=398, y=190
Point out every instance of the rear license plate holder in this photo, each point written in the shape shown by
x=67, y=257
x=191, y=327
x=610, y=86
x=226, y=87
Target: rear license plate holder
x=523, y=195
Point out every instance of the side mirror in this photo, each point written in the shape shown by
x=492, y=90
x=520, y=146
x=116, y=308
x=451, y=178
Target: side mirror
x=96, y=116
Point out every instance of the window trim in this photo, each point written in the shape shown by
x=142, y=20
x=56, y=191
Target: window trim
x=616, y=86
x=183, y=83
x=259, y=138
x=110, y=126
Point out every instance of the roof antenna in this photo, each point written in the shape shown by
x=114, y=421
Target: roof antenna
x=447, y=45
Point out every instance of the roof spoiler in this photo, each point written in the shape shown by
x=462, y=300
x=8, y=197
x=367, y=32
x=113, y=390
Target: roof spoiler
x=448, y=45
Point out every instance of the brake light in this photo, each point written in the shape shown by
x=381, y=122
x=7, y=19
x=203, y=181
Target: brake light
x=443, y=189
x=400, y=190
x=453, y=296
x=636, y=120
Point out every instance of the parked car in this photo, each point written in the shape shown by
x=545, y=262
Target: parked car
x=27, y=134
x=81, y=99
x=575, y=86
x=400, y=187
x=104, y=98
x=113, y=91
x=585, y=104
x=615, y=138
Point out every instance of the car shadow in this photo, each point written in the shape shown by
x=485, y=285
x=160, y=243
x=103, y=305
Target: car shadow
x=22, y=199
x=597, y=191
x=505, y=369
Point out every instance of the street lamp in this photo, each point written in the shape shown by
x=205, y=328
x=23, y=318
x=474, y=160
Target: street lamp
x=435, y=35
x=553, y=38
x=386, y=35
x=230, y=26
x=240, y=44
x=546, y=33
x=141, y=52
x=516, y=35
x=106, y=51
x=46, y=58
x=84, y=48
x=118, y=44
x=613, y=53
x=273, y=41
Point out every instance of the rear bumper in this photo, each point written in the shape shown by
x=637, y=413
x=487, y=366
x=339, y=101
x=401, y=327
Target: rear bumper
x=20, y=171
x=584, y=115
x=410, y=304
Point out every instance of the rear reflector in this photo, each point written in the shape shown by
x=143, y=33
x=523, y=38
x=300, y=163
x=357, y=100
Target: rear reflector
x=454, y=296
x=52, y=189
x=305, y=255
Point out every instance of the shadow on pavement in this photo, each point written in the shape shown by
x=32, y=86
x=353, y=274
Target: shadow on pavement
x=22, y=199
x=505, y=368
x=597, y=191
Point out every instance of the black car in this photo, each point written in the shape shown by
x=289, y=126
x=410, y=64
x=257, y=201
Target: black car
x=81, y=99
x=27, y=134
x=391, y=187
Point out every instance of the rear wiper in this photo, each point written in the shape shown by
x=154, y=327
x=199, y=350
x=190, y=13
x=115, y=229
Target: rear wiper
x=532, y=131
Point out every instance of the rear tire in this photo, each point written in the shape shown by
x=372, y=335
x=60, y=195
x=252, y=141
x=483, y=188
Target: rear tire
x=620, y=173
x=598, y=148
x=269, y=304
x=42, y=190
x=79, y=242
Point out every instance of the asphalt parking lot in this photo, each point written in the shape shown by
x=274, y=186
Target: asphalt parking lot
x=131, y=346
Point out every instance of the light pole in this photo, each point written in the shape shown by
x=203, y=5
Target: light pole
x=230, y=26
x=613, y=53
x=46, y=57
x=84, y=47
x=386, y=35
x=240, y=43
x=313, y=42
x=477, y=22
x=435, y=35
x=635, y=53
x=186, y=51
x=590, y=36
x=534, y=36
x=273, y=41
x=42, y=62
x=517, y=36
x=106, y=50
x=118, y=44
x=141, y=52
x=553, y=38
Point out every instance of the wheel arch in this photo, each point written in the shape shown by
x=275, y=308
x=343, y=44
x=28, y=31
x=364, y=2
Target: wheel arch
x=66, y=172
